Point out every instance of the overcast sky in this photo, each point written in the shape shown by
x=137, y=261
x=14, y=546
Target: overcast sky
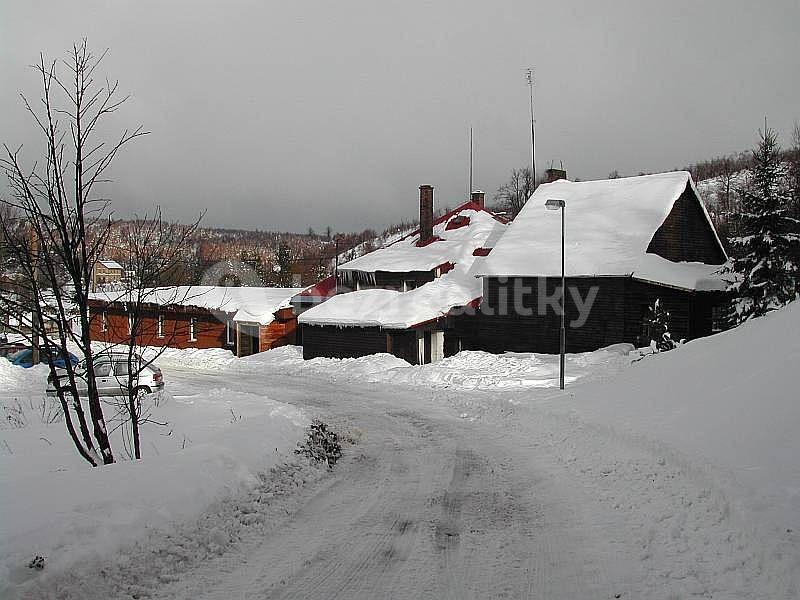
x=285, y=115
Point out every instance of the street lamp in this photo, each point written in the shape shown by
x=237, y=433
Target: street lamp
x=554, y=204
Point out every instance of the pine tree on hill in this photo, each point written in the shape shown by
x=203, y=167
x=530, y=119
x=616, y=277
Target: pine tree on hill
x=768, y=270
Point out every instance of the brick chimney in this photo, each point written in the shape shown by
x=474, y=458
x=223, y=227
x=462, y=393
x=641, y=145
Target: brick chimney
x=425, y=214
x=479, y=198
x=552, y=175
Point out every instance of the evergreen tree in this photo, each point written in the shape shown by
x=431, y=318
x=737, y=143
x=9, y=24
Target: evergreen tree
x=767, y=249
x=657, y=321
x=283, y=265
x=793, y=158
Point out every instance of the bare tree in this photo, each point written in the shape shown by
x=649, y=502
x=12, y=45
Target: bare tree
x=512, y=195
x=154, y=248
x=58, y=202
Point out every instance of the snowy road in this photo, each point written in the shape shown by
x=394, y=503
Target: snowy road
x=427, y=504
x=449, y=494
x=661, y=478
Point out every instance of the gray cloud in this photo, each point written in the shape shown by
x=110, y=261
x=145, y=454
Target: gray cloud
x=285, y=115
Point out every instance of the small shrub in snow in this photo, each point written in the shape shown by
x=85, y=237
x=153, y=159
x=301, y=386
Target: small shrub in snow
x=657, y=322
x=17, y=415
x=14, y=415
x=321, y=444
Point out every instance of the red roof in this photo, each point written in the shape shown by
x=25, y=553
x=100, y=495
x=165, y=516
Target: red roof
x=321, y=289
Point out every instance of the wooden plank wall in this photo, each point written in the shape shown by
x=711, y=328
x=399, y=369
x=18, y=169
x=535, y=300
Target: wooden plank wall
x=686, y=235
x=616, y=316
x=342, y=342
x=281, y=332
x=209, y=331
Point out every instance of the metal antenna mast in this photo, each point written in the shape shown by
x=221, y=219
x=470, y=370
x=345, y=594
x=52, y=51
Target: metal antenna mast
x=529, y=78
x=469, y=191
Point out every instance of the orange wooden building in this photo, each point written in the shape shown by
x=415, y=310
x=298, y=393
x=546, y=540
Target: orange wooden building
x=244, y=320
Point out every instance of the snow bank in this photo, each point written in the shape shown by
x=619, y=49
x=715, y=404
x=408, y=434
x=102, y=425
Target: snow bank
x=207, y=359
x=729, y=399
x=468, y=370
x=722, y=410
x=56, y=506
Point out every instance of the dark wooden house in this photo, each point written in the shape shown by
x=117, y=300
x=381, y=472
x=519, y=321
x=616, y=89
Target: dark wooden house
x=402, y=298
x=628, y=242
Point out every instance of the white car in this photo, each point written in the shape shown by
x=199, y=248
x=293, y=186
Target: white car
x=111, y=376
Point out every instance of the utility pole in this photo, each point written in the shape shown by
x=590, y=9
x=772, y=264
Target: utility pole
x=336, y=266
x=529, y=78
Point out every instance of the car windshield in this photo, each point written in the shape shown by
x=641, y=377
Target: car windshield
x=19, y=354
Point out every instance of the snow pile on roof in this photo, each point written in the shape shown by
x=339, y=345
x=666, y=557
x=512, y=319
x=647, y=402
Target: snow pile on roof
x=391, y=309
x=609, y=225
x=110, y=264
x=685, y=275
x=454, y=245
x=249, y=304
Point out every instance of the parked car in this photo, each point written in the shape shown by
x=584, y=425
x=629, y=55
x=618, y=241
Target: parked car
x=111, y=376
x=24, y=358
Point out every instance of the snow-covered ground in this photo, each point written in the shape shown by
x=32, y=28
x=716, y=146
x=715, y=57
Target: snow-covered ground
x=213, y=442
x=673, y=476
x=469, y=370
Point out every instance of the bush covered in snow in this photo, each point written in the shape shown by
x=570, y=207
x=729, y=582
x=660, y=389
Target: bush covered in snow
x=658, y=322
x=321, y=445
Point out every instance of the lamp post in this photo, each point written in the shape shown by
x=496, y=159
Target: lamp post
x=554, y=204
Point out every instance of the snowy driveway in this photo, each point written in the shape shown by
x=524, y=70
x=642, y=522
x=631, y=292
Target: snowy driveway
x=425, y=505
x=630, y=484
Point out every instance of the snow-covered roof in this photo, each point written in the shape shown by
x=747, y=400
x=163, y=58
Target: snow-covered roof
x=684, y=275
x=391, y=309
x=609, y=225
x=248, y=304
x=453, y=245
x=110, y=264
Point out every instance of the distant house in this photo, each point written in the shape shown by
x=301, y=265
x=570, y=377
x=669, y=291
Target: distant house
x=106, y=272
x=629, y=241
x=244, y=320
x=403, y=298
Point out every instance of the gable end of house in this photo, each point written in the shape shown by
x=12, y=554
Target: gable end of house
x=687, y=235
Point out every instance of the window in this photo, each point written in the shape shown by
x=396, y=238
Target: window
x=102, y=369
x=193, y=329
x=229, y=332
x=121, y=368
x=104, y=321
x=160, y=326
